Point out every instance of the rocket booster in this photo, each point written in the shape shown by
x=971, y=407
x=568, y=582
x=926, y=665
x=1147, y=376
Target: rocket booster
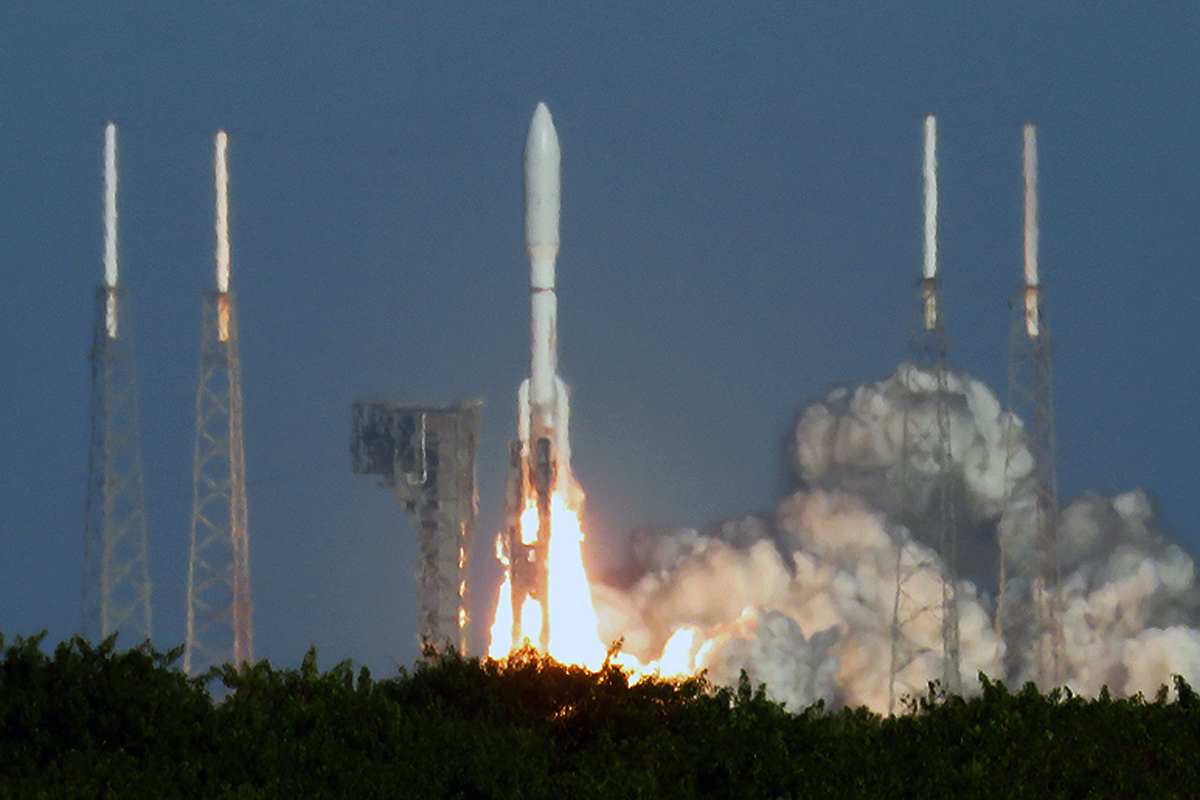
x=543, y=397
x=540, y=458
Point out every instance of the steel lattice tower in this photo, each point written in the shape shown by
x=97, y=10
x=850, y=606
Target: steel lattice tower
x=927, y=439
x=219, y=613
x=1029, y=572
x=117, y=581
x=116, y=590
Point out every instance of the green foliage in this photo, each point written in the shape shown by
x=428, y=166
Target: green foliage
x=98, y=720
x=91, y=721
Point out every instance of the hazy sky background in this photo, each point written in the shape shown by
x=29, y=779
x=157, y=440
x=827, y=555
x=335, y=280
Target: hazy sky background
x=741, y=231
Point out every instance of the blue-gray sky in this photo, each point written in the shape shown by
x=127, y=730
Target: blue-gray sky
x=741, y=230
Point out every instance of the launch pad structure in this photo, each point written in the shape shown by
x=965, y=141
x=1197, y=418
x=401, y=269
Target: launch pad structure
x=1029, y=569
x=116, y=586
x=220, y=627
x=116, y=592
x=426, y=454
x=927, y=439
x=1029, y=575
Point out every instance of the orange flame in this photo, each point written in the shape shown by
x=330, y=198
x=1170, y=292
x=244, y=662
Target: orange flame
x=573, y=635
x=679, y=654
x=499, y=644
x=573, y=625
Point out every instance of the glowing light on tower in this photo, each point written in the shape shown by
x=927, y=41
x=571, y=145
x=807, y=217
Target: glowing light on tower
x=913, y=609
x=219, y=623
x=1029, y=587
x=1031, y=233
x=116, y=591
x=110, y=229
x=931, y=209
x=221, y=168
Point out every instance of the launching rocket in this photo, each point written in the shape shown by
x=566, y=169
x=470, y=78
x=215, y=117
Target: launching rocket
x=542, y=399
x=540, y=457
x=545, y=599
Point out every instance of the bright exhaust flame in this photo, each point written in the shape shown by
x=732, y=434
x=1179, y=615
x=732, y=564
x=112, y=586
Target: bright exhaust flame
x=529, y=524
x=499, y=639
x=531, y=619
x=573, y=625
x=678, y=656
x=574, y=635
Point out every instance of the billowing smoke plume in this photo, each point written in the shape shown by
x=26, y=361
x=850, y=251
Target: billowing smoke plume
x=807, y=600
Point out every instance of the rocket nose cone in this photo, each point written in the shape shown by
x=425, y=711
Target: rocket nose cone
x=542, y=181
x=543, y=139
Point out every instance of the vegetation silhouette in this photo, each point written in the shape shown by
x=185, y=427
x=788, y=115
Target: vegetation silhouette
x=94, y=721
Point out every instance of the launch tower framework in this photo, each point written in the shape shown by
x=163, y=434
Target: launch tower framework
x=926, y=480
x=220, y=627
x=116, y=591
x=927, y=439
x=1029, y=573
x=426, y=454
x=1029, y=570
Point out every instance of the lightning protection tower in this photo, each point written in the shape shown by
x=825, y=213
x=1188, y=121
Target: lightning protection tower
x=925, y=603
x=427, y=455
x=116, y=590
x=219, y=625
x=1029, y=574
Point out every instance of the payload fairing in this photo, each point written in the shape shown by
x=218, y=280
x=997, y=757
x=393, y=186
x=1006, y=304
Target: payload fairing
x=541, y=456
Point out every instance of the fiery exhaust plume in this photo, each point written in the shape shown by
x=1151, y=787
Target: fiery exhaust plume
x=573, y=635
x=573, y=625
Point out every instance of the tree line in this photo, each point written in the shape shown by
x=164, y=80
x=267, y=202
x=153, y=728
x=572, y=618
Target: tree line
x=88, y=720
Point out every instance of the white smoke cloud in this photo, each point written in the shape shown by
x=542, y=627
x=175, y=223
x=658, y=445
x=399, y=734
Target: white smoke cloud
x=772, y=648
x=1129, y=598
x=855, y=441
x=806, y=601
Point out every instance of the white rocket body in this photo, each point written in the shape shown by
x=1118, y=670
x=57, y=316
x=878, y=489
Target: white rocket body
x=541, y=456
x=542, y=399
